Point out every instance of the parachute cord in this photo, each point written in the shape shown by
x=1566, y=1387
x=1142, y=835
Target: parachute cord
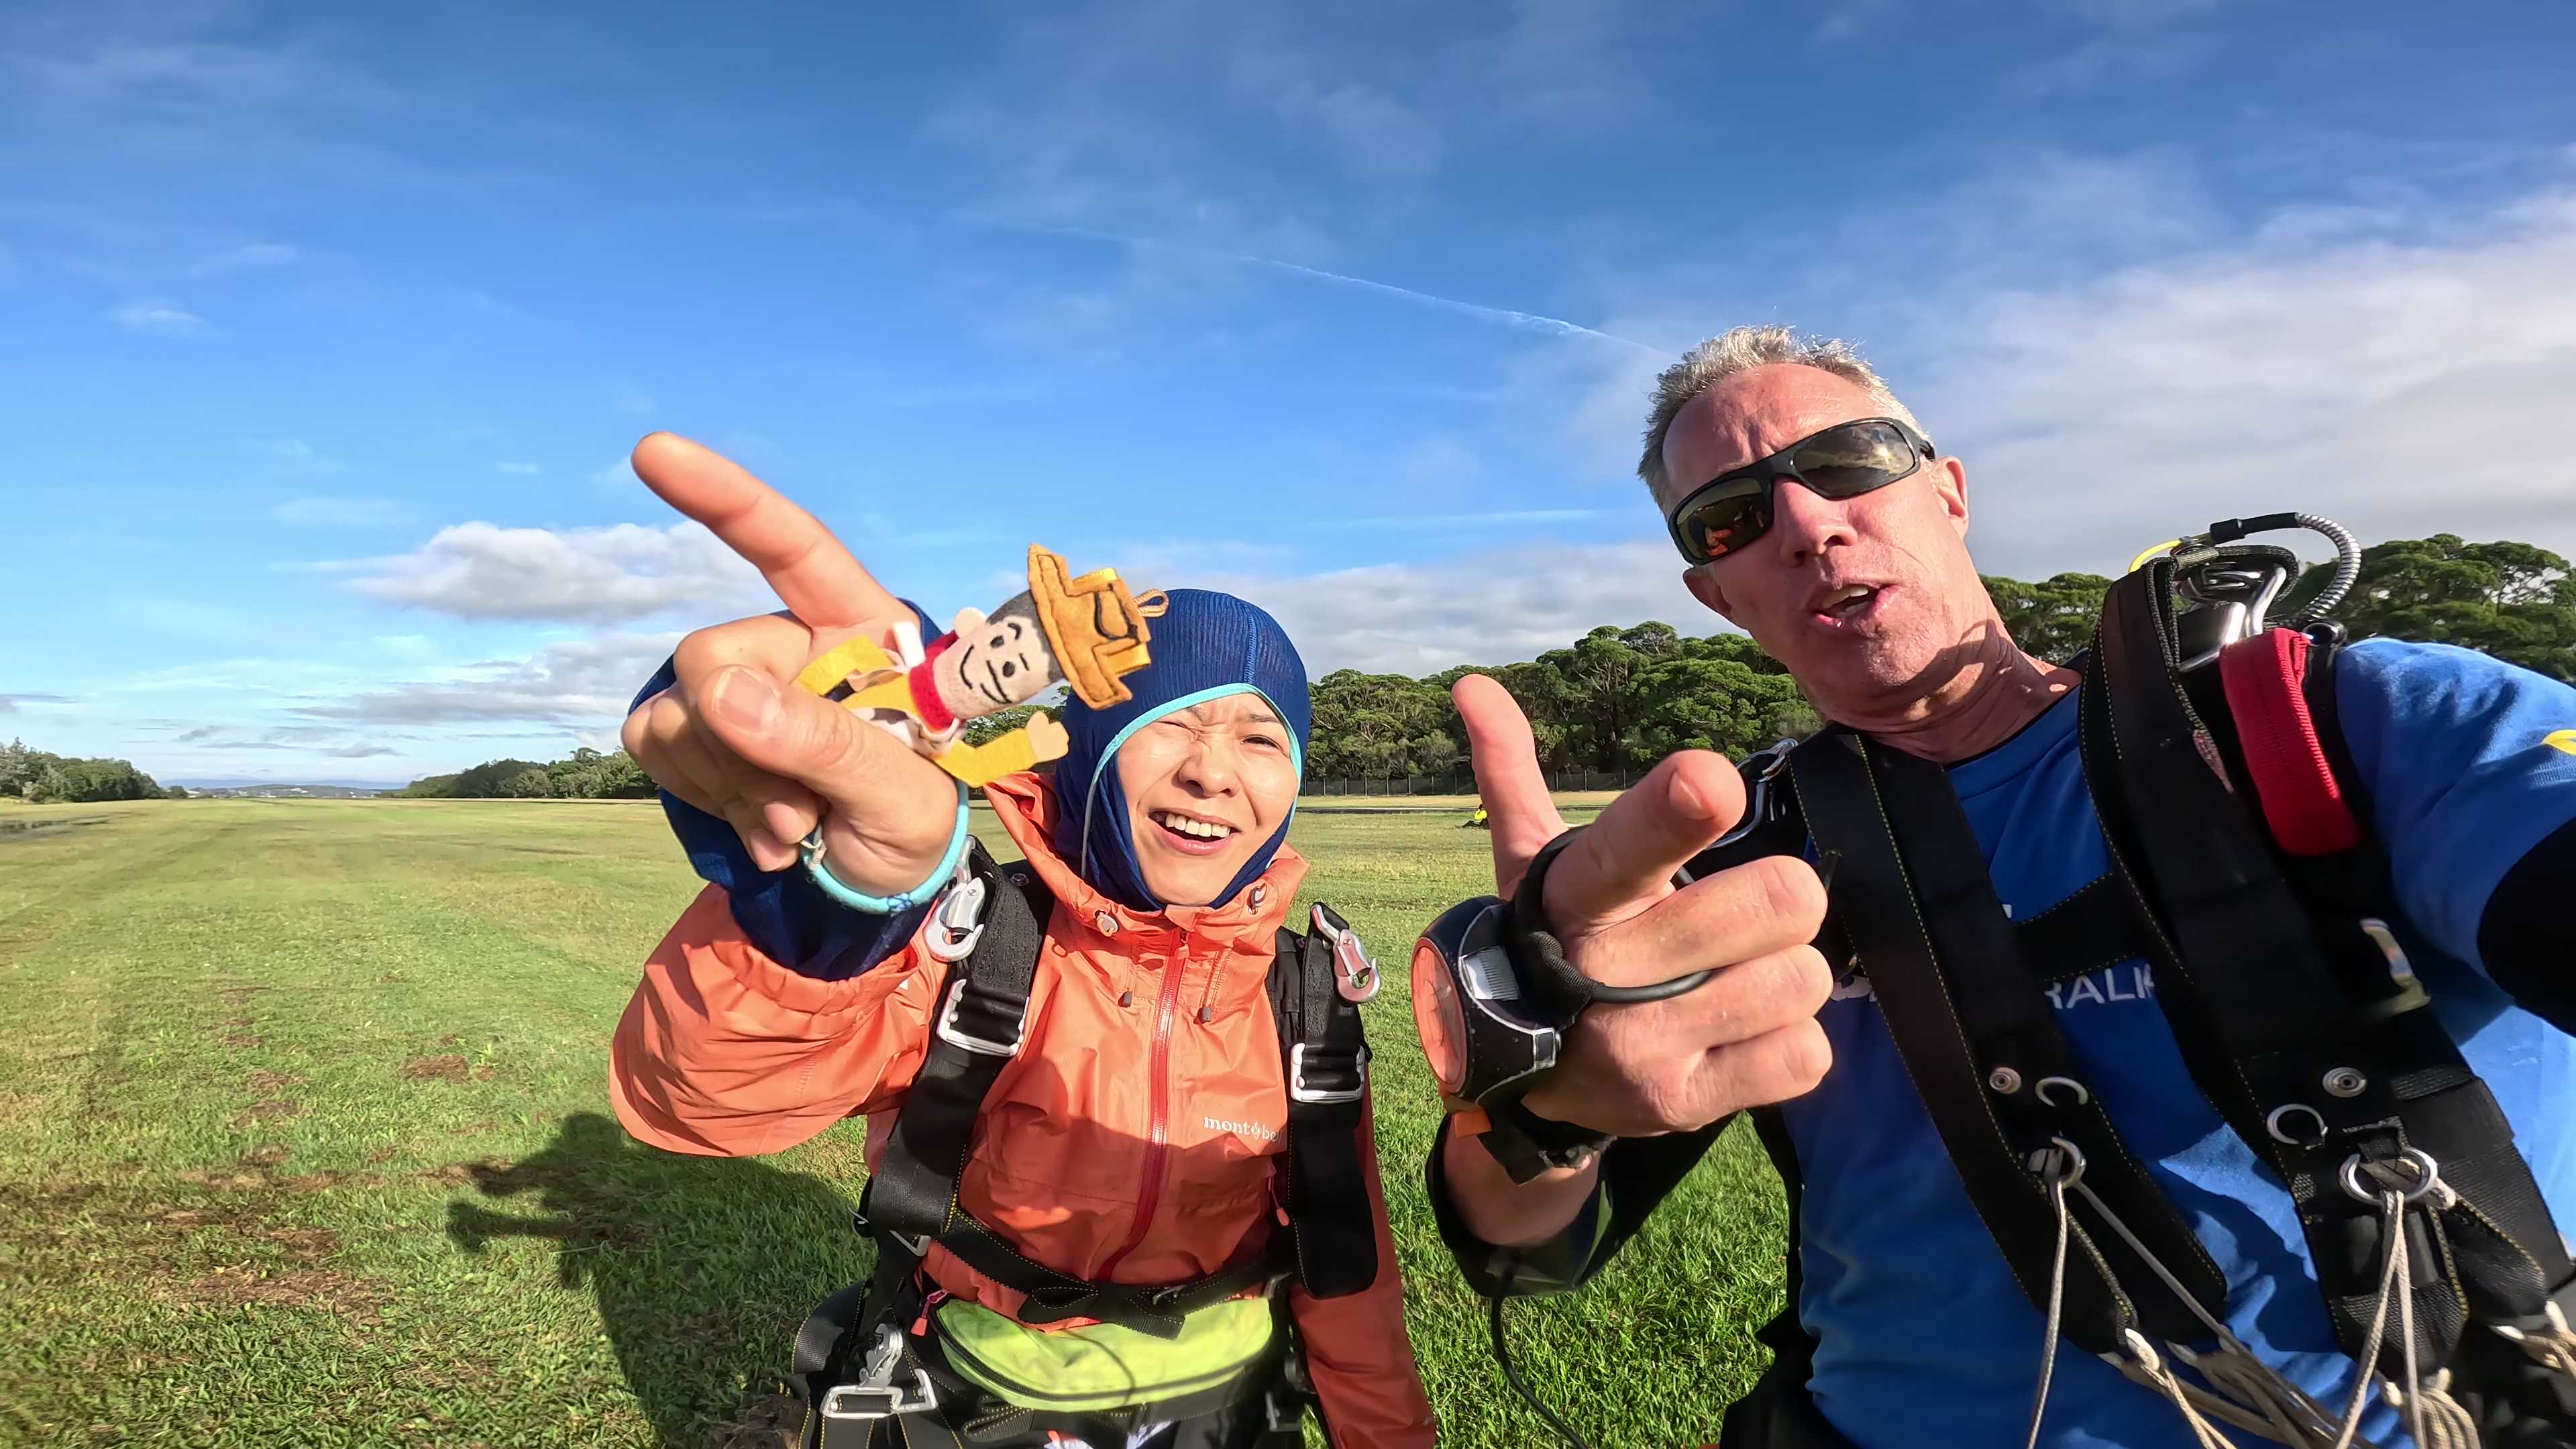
x=2056, y=1307
x=2440, y=1421
x=2392, y=1232
x=2554, y=1347
x=2287, y=1413
x=2347, y=568
x=2203, y=1432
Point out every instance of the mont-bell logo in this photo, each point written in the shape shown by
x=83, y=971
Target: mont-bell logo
x=1258, y=1132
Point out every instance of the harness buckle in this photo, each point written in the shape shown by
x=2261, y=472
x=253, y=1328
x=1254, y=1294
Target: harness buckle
x=957, y=924
x=876, y=1394
x=1355, y=975
x=958, y=1037
x=1300, y=1090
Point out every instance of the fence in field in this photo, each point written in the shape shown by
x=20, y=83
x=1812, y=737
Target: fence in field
x=1463, y=782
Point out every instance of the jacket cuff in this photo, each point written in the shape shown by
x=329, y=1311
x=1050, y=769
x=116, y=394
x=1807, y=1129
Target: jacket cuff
x=1560, y=1265
x=784, y=914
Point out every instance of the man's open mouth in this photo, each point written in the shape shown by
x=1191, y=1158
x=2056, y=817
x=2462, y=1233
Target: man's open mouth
x=1845, y=604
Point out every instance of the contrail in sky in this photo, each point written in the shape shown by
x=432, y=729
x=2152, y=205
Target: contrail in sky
x=1504, y=316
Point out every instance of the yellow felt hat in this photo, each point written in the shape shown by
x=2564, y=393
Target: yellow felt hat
x=1095, y=626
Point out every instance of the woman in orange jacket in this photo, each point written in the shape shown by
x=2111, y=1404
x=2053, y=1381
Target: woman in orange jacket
x=1134, y=1247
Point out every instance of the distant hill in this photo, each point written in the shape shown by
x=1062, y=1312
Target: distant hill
x=272, y=789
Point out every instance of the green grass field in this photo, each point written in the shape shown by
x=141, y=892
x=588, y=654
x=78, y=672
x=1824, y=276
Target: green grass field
x=304, y=1141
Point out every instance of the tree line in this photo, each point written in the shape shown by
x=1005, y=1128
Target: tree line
x=1623, y=698
x=586, y=775
x=42, y=778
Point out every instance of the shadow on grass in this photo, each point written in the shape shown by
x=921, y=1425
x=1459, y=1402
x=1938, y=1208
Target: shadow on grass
x=702, y=1266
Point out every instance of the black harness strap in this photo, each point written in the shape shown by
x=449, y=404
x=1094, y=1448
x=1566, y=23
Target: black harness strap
x=1981, y=1043
x=2290, y=1021
x=911, y=1198
x=981, y=1017
x=1329, y=1209
x=2089, y=930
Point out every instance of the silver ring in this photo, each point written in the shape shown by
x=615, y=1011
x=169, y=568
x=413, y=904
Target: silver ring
x=2040, y=1090
x=2427, y=1171
x=2272, y=1124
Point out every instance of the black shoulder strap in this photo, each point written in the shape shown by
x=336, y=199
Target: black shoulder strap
x=1325, y=1052
x=1981, y=1044
x=976, y=1027
x=2321, y=1057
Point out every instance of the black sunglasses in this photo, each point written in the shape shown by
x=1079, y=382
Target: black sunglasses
x=1843, y=461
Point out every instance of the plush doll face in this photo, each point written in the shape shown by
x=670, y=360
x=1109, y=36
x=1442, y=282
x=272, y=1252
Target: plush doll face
x=1206, y=787
x=995, y=663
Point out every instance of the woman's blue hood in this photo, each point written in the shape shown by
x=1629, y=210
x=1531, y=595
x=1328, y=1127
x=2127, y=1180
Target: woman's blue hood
x=1204, y=646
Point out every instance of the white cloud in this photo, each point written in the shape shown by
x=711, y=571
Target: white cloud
x=2396, y=383
x=1852, y=19
x=342, y=513
x=294, y=454
x=588, y=575
x=155, y=318
x=1493, y=607
x=9, y=703
x=247, y=257
x=583, y=682
x=519, y=470
x=2117, y=361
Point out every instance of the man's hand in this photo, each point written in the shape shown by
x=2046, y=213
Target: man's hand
x=1746, y=1038
x=736, y=738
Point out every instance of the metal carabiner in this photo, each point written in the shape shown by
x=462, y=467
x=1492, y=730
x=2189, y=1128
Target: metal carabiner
x=1355, y=976
x=957, y=924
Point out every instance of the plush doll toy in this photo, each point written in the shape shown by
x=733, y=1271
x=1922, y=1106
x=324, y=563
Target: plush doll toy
x=1083, y=633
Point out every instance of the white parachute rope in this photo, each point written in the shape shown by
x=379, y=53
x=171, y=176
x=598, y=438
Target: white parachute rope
x=2276, y=1408
x=2056, y=1306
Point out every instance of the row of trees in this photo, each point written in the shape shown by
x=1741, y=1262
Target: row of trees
x=34, y=775
x=1620, y=699
x=587, y=775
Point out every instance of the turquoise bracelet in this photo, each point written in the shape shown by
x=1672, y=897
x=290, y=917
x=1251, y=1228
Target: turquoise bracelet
x=859, y=900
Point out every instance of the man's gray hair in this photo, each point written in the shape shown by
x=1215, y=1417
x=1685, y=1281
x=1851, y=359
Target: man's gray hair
x=1742, y=350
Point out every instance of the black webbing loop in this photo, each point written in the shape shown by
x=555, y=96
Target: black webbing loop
x=1326, y=1052
x=1981, y=1043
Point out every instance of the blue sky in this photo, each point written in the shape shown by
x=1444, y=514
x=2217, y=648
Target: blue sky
x=324, y=330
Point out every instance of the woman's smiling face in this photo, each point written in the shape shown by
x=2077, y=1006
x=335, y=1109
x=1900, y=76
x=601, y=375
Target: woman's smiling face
x=1206, y=786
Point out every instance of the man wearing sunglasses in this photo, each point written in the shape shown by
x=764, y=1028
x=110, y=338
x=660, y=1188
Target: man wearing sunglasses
x=1813, y=513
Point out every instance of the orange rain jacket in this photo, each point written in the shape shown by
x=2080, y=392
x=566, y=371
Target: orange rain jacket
x=1128, y=1142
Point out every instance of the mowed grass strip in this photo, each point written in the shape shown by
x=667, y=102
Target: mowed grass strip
x=304, y=1140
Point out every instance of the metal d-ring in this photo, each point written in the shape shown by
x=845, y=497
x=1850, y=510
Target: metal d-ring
x=2428, y=1173
x=2040, y=1088
x=2272, y=1124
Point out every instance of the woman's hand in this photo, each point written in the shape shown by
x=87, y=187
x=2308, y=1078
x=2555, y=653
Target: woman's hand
x=736, y=738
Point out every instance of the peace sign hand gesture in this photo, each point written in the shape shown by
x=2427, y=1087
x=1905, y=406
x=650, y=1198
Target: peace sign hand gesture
x=734, y=735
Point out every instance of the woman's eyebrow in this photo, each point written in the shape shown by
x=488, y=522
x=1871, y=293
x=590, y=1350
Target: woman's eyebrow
x=1258, y=717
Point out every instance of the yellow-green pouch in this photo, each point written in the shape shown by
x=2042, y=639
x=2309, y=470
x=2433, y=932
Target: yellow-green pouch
x=1100, y=1365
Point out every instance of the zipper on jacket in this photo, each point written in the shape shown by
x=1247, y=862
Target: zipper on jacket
x=1158, y=1134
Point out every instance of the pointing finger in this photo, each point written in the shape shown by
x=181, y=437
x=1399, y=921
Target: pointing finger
x=1518, y=806
x=1626, y=861
x=817, y=578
